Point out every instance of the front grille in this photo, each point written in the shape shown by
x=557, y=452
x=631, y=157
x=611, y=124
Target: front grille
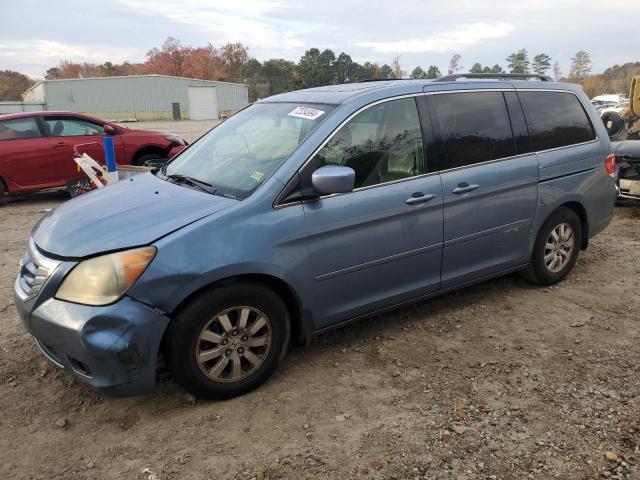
x=32, y=276
x=35, y=270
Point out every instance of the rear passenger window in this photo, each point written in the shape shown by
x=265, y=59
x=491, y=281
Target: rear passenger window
x=474, y=128
x=19, y=128
x=555, y=119
x=382, y=144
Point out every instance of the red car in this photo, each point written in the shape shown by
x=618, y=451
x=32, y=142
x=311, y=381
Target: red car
x=37, y=148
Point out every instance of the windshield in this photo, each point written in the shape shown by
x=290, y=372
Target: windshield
x=242, y=152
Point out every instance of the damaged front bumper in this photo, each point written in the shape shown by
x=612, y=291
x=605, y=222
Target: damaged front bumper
x=113, y=348
x=628, y=170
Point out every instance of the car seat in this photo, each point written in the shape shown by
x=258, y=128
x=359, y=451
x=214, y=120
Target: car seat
x=401, y=149
x=58, y=128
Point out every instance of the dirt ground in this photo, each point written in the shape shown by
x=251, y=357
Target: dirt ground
x=503, y=380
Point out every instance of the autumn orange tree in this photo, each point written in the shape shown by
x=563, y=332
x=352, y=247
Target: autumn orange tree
x=171, y=58
x=12, y=84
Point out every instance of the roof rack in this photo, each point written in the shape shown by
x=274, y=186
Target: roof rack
x=495, y=76
x=381, y=80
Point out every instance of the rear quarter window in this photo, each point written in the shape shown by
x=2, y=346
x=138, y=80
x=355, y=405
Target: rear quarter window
x=556, y=119
x=474, y=128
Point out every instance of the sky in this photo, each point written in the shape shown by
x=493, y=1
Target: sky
x=36, y=35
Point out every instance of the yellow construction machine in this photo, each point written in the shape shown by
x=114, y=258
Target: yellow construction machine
x=626, y=125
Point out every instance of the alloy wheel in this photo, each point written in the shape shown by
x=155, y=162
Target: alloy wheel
x=233, y=344
x=559, y=247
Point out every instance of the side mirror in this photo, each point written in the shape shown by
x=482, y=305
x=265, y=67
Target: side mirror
x=333, y=179
x=109, y=130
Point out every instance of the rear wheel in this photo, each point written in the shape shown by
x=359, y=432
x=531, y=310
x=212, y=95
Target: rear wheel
x=3, y=193
x=613, y=122
x=228, y=341
x=556, y=249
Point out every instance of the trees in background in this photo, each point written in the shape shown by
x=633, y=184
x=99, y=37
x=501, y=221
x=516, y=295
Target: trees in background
x=433, y=72
x=385, y=72
x=168, y=59
x=518, y=62
x=280, y=75
x=344, y=69
x=541, y=63
x=477, y=68
x=580, y=65
x=232, y=62
x=12, y=84
x=557, y=71
x=398, y=72
x=454, y=64
x=52, y=74
x=417, y=73
x=616, y=79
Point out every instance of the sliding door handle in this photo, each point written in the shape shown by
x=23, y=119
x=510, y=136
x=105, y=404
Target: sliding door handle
x=464, y=187
x=417, y=198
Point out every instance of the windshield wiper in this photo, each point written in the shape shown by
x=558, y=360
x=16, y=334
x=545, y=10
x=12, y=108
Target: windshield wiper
x=194, y=182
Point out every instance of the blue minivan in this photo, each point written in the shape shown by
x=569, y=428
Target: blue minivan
x=306, y=211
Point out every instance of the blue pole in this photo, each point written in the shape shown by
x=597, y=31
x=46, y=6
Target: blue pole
x=109, y=154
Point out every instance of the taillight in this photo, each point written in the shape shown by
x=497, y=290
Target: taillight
x=610, y=165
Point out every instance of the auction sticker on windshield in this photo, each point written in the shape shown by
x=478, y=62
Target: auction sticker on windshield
x=256, y=175
x=305, y=112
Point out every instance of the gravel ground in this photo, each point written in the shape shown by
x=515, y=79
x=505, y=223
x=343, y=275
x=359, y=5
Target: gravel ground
x=503, y=380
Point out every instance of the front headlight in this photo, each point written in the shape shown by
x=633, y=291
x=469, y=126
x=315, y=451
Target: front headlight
x=103, y=280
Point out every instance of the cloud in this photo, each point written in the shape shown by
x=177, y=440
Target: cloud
x=245, y=21
x=51, y=50
x=465, y=36
x=35, y=56
x=425, y=32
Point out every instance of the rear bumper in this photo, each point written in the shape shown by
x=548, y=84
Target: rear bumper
x=628, y=190
x=112, y=348
x=628, y=171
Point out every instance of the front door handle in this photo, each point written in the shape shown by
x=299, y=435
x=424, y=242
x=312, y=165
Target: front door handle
x=464, y=187
x=418, y=197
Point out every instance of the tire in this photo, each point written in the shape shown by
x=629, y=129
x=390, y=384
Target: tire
x=198, y=331
x=4, y=198
x=613, y=123
x=547, y=272
x=150, y=157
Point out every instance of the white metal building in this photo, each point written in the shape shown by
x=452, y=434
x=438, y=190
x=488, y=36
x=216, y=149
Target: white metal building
x=19, y=107
x=141, y=97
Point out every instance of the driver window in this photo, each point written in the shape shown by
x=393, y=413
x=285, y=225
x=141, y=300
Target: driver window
x=382, y=144
x=69, y=127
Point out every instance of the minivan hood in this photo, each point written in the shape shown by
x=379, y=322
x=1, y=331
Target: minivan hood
x=130, y=213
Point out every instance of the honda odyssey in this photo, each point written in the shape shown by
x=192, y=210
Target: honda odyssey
x=306, y=211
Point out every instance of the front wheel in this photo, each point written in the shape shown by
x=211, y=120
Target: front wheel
x=556, y=249
x=228, y=341
x=4, y=198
